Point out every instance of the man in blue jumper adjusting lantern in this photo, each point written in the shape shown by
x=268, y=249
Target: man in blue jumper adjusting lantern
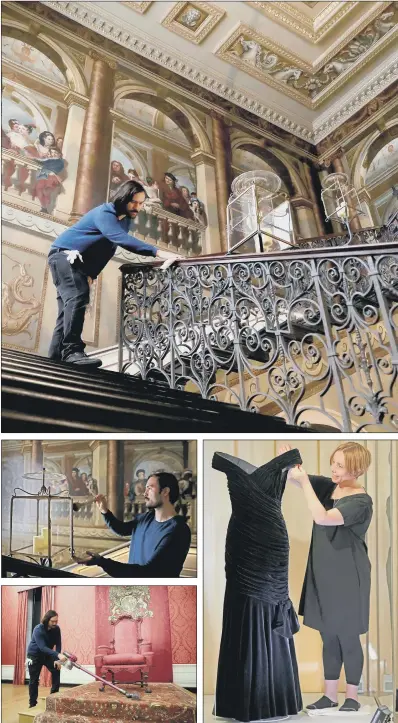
x=160, y=538
x=80, y=253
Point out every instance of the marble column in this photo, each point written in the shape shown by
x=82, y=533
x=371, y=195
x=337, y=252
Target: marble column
x=37, y=456
x=115, y=477
x=207, y=192
x=99, y=472
x=305, y=218
x=315, y=202
x=222, y=155
x=95, y=151
x=76, y=104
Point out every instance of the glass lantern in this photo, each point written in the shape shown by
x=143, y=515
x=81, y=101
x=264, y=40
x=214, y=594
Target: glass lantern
x=258, y=212
x=340, y=200
x=38, y=508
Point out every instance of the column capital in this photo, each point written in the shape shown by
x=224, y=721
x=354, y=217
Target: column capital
x=363, y=194
x=301, y=202
x=203, y=157
x=94, y=55
x=73, y=98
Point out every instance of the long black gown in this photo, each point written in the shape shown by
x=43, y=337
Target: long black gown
x=257, y=669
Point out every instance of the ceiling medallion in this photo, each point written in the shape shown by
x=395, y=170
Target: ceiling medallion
x=193, y=20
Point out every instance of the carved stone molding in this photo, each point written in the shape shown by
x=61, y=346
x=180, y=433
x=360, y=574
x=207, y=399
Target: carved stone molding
x=205, y=86
x=359, y=120
x=98, y=56
x=73, y=98
x=202, y=157
x=312, y=29
x=193, y=20
x=310, y=84
x=139, y=7
x=39, y=222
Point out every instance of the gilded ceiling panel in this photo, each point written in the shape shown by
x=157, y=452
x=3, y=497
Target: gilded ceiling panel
x=259, y=56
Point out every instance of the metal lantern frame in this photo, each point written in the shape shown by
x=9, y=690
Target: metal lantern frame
x=44, y=495
x=255, y=194
x=339, y=198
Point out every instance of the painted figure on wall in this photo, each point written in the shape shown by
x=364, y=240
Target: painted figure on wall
x=117, y=176
x=198, y=211
x=46, y=183
x=77, y=487
x=134, y=494
x=152, y=191
x=172, y=197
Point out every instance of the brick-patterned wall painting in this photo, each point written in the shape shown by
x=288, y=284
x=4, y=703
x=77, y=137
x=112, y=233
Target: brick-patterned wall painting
x=182, y=604
x=76, y=612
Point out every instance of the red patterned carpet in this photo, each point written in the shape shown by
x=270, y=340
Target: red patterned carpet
x=85, y=704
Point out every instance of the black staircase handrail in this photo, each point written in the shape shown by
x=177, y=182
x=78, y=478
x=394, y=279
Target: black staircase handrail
x=306, y=334
x=22, y=568
x=287, y=255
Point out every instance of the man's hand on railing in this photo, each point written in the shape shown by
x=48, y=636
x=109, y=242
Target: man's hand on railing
x=92, y=559
x=168, y=257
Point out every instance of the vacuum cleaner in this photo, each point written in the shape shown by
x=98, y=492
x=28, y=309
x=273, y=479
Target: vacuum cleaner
x=71, y=662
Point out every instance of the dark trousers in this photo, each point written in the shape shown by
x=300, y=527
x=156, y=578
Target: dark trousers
x=73, y=296
x=342, y=650
x=37, y=662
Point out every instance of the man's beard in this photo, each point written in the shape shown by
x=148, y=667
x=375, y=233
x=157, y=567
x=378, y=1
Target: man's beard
x=153, y=505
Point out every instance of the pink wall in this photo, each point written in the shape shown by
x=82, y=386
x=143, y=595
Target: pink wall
x=76, y=610
x=9, y=612
x=182, y=605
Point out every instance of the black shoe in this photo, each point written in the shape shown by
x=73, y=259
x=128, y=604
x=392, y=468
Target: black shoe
x=43, y=210
x=79, y=357
x=32, y=705
x=323, y=702
x=350, y=705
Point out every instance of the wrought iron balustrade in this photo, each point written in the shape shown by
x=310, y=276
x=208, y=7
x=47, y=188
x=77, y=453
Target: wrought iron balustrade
x=308, y=334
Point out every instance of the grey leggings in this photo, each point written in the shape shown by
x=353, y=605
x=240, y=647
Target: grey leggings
x=342, y=650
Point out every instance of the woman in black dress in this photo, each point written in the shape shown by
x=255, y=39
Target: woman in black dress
x=336, y=591
x=257, y=669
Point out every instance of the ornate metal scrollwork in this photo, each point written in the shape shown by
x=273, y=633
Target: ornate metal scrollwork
x=310, y=336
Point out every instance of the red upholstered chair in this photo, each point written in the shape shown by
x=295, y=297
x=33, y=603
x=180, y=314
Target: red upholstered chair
x=108, y=662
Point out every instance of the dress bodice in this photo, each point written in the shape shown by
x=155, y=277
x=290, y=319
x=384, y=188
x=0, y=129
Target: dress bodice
x=257, y=545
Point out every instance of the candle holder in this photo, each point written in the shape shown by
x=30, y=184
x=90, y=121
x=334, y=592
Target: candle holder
x=42, y=549
x=258, y=210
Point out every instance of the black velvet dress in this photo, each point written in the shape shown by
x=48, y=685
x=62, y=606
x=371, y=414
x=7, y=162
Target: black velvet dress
x=257, y=669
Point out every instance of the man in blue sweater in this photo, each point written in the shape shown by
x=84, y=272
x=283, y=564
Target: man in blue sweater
x=80, y=253
x=45, y=637
x=160, y=538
